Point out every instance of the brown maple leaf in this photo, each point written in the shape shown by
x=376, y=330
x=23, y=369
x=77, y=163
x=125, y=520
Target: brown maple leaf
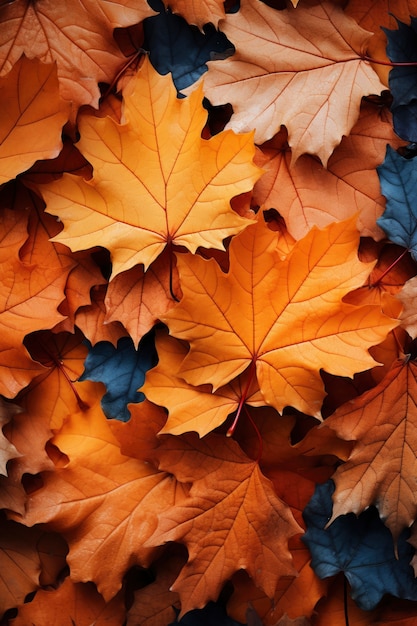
x=7, y=449
x=231, y=520
x=101, y=501
x=306, y=194
x=156, y=182
x=80, y=41
x=382, y=465
x=32, y=115
x=283, y=319
x=281, y=57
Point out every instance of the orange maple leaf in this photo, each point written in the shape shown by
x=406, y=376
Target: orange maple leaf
x=314, y=44
x=101, y=501
x=382, y=466
x=80, y=41
x=192, y=408
x=156, y=181
x=198, y=12
x=7, y=449
x=284, y=319
x=32, y=115
x=230, y=497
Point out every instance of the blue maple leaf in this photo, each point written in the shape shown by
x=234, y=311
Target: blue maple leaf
x=122, y=370
x=402, y=48
x=361, y=547
x=398, y=178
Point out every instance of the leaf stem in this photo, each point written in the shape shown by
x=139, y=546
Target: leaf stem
x=171, y=271
x=243, y=398
x=345, y=601
x=365, y=57
x=60, y=365
x=389, y=268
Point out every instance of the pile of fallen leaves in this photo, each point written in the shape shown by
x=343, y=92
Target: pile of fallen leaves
x=208, y=246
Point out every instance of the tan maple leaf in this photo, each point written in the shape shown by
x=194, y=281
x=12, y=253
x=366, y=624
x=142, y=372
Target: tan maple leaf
x=231, y=520
x=80, y=41
x=32, y=115
x=281, y=58
x=284, y=319
x=156, y=182
x=382, y=465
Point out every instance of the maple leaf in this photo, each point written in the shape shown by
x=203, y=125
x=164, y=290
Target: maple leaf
x=192, y=408
x=249, y=525
x=32, y=114
x=198, y=12
x=409, y=314
x=122, y=369
x=381, y=467
x=7, y=449
x=301, y=48
x=185, y=187
x=138, y=299
x=80, y=41
x=307, y=194
x=77, y=499
x=398, y=177
x=91, y=319
x=361, y=547
x=286, y=319
x=70, y=604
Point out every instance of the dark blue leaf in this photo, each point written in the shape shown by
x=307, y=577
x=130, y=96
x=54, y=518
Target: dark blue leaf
x=405, y=121
x=398, y=178
x=402, y=48
x=361, y=547
x=181, y=49
x=122, y=370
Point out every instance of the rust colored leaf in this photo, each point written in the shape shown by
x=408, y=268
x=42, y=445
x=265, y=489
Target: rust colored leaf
x=91, y=319
x=249, y=525
x=137, y=299
x=306, y=194
x=284, y=318
x=7, y=449
x=409, y=314
x=382, y=466
x=80, y=41
x=32, y=114
x=192, y=408
x=102, y=501
x=181, y=196
x=314, y=44
x=72, y=604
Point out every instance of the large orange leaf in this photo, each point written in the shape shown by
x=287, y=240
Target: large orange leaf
x=32, y=116
x=231, y=520
x=306, y=194
x=192, y=408
x=102, y=501
x=382, y=466
x=286, y=319
x=275, y=82
x=80, y=40
x=156, y=181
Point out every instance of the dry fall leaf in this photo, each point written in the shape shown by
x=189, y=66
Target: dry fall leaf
x=408, y=298
x=72, y=604
x=230, y=497
x=306, y=194
x=7, y=449
x=77, y=499
x=32, y=114
x=137, y=298
x=156, y=182
x=80, y=41
x=275, y=83
x=192, y=408
x=382, y=465
x=286, y=320
x=198, y=12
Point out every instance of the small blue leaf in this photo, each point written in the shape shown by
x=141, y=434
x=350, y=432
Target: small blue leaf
x=181, y=49
x=122, y=370
x=405, y=121
x=361, y=547
x=398, y=178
